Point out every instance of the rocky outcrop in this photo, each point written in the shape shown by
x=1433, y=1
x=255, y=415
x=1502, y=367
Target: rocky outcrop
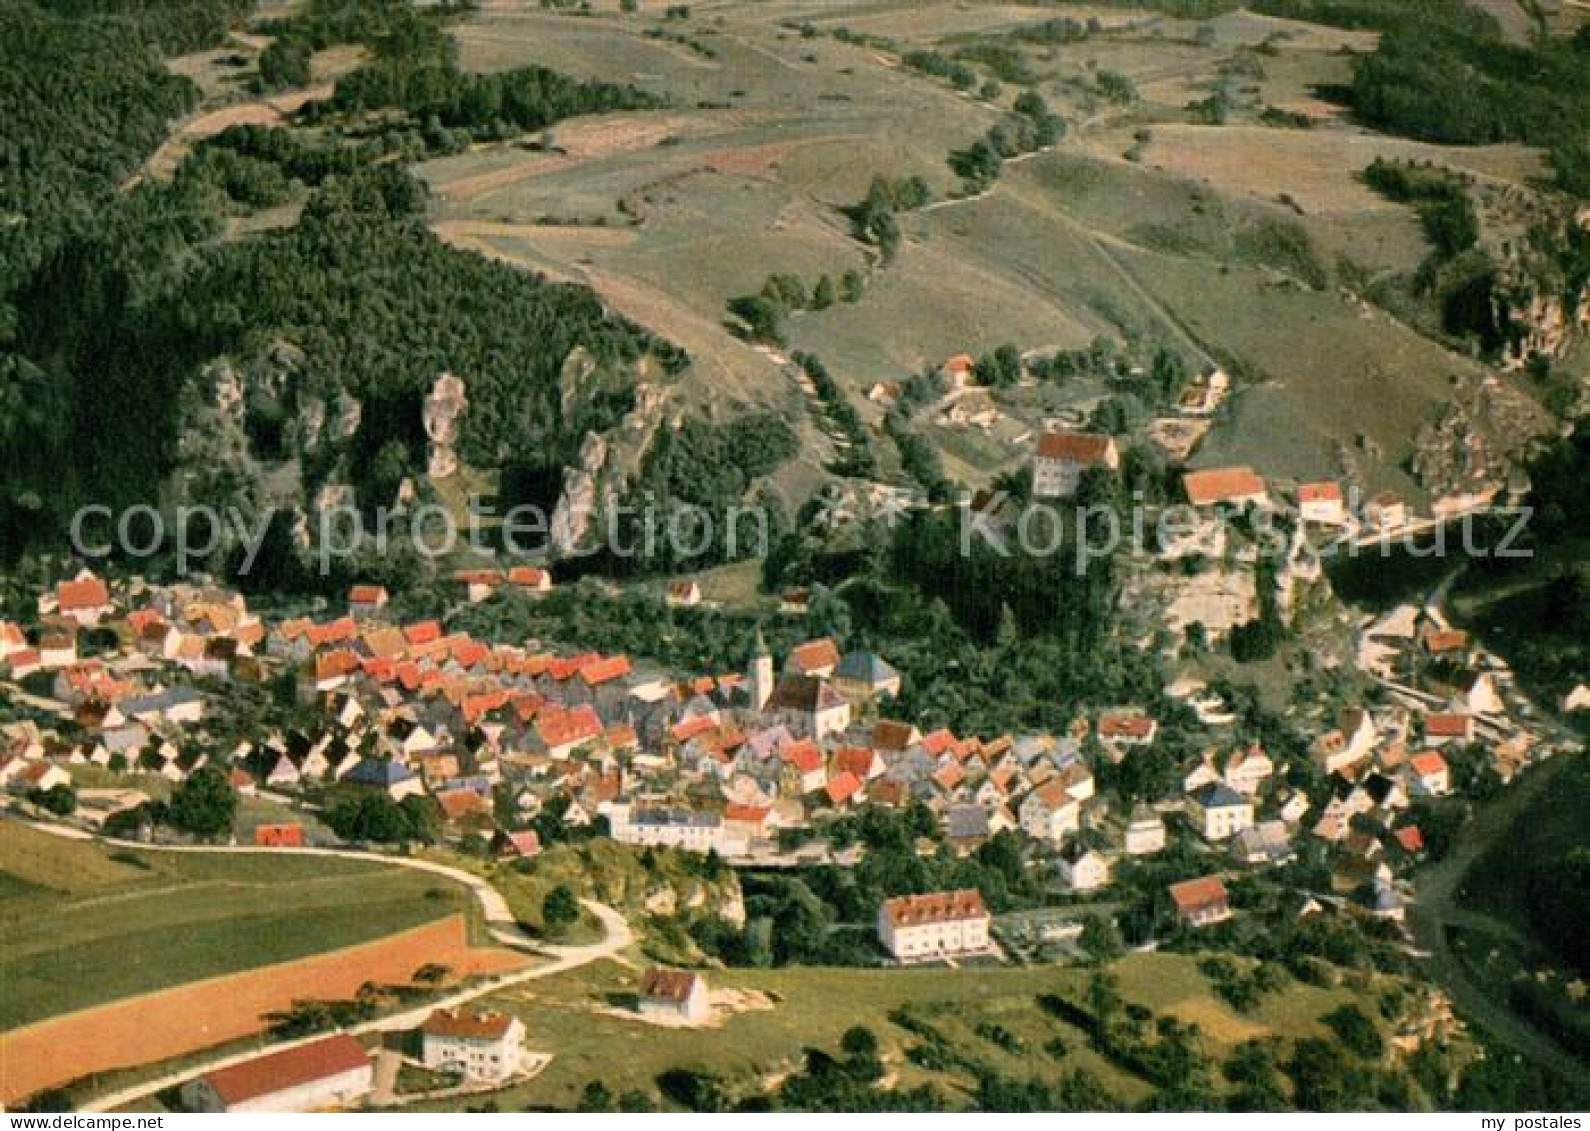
x=443, y=416
x=607, y=464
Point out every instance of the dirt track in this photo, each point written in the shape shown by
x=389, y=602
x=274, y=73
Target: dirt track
x=184, y=1019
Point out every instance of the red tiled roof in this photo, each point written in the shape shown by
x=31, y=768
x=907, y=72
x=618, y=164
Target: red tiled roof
x=1324, y=492
x=1428, y=764
x=815, y=655
x=1411, y=839
x=1448, y=725
x=75, y=596
x=426, y=632
x=1088, y=448
x=559, y=727
x=1125, y=726
x=667, y=985
x=804, y=756
x=468, y=1025
x=367, y=595
x=935, y=907
x=854, y=760
x=1194, y=895
x=605, y=671
x=289, y=1068
x=842, y=787
x=528, y=576
x=938, y=742
x=1223, y=484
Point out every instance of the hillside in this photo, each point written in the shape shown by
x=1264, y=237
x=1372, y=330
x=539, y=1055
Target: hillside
x=1181, y=193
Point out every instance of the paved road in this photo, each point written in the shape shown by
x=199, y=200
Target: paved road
x=616, y=936
x=1438, y=907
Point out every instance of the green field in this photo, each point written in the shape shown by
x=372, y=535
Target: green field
x=783, y=1012
x=143, y=921
x=1141, y=225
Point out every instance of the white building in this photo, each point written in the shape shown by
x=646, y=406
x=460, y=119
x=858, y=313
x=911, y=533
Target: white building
x=1050, y=812
x=479, y=1046
x=1061, y=459
x=1083, y=869
x=668, y=827
x=673, y=994
x=1220, y=812
x=333, y=1072
x=1145, y=833
x=1321, y=503
x=936, y=925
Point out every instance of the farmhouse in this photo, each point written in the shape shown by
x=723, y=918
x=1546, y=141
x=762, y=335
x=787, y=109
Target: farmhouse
x=936, y=925
x=480, y=1046
x=673, y=994
x=1386, y=511
x=328, y=1073
x=1202, y=902
x=1228, y=486
x=1061, y=458
x=1321, y=503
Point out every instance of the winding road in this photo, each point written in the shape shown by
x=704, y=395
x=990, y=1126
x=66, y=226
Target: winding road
x=1439, y=906
x=500, y=921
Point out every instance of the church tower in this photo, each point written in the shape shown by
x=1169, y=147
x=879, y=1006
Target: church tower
x=761, y=672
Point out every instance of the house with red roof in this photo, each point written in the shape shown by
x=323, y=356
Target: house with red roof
x=842, y=789
x=331, y=1072
x=1321, y=503
x=530, y=579
x=1448, y=726
x=367, y=600
x=1060, y=459
x=85, y=599
x=483, y=1046
x=560, y=731
x=1202, y=902
x=1429, y=775
x=1225, y=486
x=935, y=925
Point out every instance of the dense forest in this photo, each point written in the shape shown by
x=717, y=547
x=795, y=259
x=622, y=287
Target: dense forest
x=116, y=299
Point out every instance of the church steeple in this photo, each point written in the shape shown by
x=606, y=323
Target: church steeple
x=761, y=671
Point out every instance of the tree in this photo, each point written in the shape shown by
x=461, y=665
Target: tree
x=823, y=294
x=596, y=1097
x=859, y=1041
x=560, y=909
x=58, y=799
x=205, y=804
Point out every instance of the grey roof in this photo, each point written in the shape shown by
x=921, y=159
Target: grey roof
x=1219, y=795
x=963, y=822
x=662, y=816
x=865, y=667
x=373, y=771
x=160, y=701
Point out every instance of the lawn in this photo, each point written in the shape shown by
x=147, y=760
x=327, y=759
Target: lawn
x=784, y=1011
x=143, y=921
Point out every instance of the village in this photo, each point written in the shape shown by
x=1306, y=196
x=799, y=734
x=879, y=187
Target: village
x=753, y=767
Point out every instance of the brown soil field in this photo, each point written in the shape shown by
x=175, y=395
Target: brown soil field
x=170, y=1023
